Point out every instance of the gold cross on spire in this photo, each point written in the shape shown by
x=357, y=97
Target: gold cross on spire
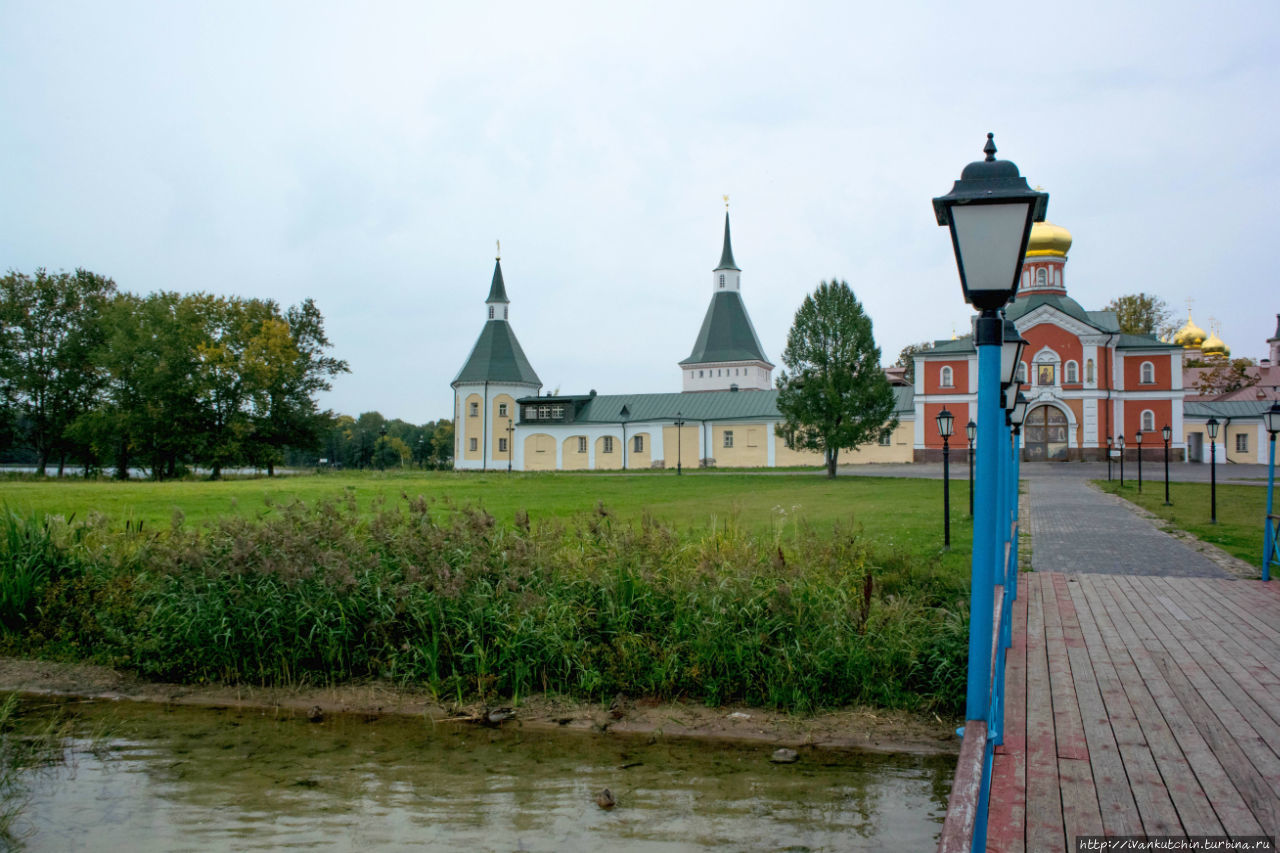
x=726, y=202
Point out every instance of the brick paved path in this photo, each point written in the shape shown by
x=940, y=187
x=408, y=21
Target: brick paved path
x=1075, y=528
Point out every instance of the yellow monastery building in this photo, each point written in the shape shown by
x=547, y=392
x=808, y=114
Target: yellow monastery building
x=725, y=415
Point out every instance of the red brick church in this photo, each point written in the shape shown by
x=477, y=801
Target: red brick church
x=1085, y=380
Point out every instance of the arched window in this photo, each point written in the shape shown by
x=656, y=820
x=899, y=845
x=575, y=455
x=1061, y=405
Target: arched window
x=1071, y=373
x=1041, y=278
x=1088, y=371
x=945, y=378
x=722, y=281
x=1148, y=373
x=1022, y=372
x=1148, y=420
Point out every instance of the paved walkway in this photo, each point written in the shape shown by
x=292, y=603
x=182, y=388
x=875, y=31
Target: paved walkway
x=1076, y=528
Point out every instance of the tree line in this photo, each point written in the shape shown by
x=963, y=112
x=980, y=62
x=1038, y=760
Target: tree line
x=373, y=441
x=95, y=376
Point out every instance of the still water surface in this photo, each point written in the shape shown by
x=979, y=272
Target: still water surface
x=213, y=779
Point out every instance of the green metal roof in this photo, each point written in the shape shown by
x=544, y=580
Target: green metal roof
x=497, y=290
x=726, y=254
x=956, y=347
x=1024, y=305
x=1105, y=320
x=726, y=333
x=497, y=357
x=695, y=406
x=1226, y=408
x=1143, y=342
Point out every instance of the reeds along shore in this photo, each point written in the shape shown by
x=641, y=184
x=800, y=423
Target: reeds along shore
x=443, y=597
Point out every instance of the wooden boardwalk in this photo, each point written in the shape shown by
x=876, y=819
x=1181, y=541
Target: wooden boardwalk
x=1138, y=705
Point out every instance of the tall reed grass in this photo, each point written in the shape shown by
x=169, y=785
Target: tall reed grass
x=453, y=601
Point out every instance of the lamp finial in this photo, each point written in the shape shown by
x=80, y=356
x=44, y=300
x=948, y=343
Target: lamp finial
x=990, y=148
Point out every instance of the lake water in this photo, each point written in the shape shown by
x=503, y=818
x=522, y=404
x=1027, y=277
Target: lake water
x=177, y=779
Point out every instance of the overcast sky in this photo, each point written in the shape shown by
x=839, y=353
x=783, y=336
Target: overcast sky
x=368, y=155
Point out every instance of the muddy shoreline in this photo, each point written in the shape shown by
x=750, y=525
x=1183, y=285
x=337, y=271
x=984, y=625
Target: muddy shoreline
x=861, y=729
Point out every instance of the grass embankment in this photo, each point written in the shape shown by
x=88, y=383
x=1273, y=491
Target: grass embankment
x=1242, y=511
x=716, y=589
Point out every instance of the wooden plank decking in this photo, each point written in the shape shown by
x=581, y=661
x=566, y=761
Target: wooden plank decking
x=1138, y=705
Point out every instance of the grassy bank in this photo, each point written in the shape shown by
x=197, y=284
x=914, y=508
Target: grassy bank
x=1241, y=512
x=779, y=610
x=886, y=508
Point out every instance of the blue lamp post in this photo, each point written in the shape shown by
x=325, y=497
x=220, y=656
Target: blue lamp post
x=971, y=432
x=1271, y=554
x=989, y=212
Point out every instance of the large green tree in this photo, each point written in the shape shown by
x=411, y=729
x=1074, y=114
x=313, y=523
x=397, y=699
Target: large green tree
x=832, y=393
x=49, y=327
x=1143, y=314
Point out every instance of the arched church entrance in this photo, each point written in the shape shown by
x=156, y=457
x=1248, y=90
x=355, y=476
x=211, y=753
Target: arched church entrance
x=1045, y=434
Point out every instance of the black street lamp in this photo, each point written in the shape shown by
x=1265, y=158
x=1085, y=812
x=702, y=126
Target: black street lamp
x=510, y=447
x=1120, y=445
x=624, y=415
x=1108, y=459
x=945, y=423
x=1212, y=426
x=971, y=432
x=1166, y=433
x=1138, y=435
x=679, y=443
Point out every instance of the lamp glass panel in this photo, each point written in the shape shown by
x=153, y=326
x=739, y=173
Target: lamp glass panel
x=989, y=239
x=1271, y=418
x=1212, y=426
x=1166, y=433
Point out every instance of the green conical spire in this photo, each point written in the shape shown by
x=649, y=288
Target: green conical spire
x=497, y=290
x=726, y=256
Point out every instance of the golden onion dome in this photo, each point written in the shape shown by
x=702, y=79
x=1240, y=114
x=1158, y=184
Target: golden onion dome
x=1048, y=240
x=1214, y=345
x=1190, y=335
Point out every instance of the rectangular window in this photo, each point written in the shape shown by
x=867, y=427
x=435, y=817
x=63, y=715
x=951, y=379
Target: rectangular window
x=502, y=445
x=530, y=413
x=557, y=412
x=502, y=410
x=608, y=444
x=474, y=411
x=582, y=444
x=474, y=445
x=637, y=444
x=544, y=412
x=886, y=440
x=1242, y=442
x=728, y=438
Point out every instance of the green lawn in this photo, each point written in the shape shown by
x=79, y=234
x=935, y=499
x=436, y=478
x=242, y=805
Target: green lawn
x=890, y=510
x=1241, y=512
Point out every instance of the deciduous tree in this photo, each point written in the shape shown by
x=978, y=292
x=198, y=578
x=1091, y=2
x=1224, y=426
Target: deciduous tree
x=1143, y=314
x=832, y=393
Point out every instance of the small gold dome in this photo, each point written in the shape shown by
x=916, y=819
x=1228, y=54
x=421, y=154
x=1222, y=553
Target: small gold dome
x=1214, y=345
x=1048, y=240
x=1190, y=335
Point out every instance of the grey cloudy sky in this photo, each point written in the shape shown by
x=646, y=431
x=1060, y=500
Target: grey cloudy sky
x=369, y=154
